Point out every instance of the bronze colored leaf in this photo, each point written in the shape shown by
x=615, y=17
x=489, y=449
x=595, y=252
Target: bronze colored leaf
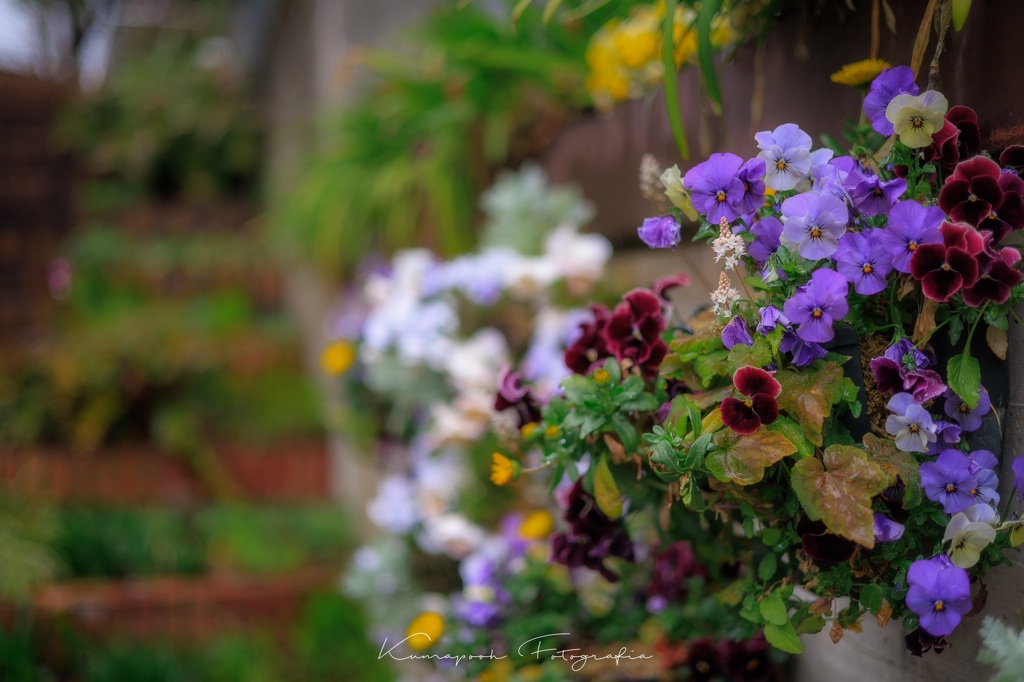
x=997, y=341
x=808, y=396
x=893, y=461
x=839, y=491
x=743, y=459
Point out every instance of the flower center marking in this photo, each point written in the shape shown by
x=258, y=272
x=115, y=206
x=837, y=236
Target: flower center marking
x=993, y=215
x=945, y=266
x=815, y=232
x=866, y=269
x=780, y=164
x=914, y=428
x=939, y=606
x=917, y=121
x=950, y=488
x=961, y=543
x=816, y=313
x=720, y=197
x=964, y=408
x=971, y=198
x=912, y=246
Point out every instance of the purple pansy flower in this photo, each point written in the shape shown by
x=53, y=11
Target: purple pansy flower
x=817, y=304
x=873, y=196
x=949, y=481
x=940, y=594
x=804, y=352
x=969, y=420
x=911, y=225
x=903, y=368
x=786, y=152
x=715, y=186
x=661, y=232
x=769, y=317
x=946, y=434
x=813, y=224
x=736, y=333
x=887, y=530
x=910, y=424
x=982, y=463
x=1018, y=475
x=751, y=174
x=767, y=233
x=864, y=261
x=838, y=177
x=884, y=88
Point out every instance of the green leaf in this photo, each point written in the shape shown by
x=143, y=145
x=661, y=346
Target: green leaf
x=714, y=364
x=766, y=568
x=691, y=495
x=963, y=373
x=699, y=450
x=743, y=459
x=809, y=396
x=839, y=491
x=550, y=9
x=668, y=60
x=606, y=491
x=518, y=9
x=706, y=52
x=872, y=597
x=960, y=10
x=626, y=432
x=757, y=355
x=773, y=609
x=783, y=638
x=894, y=461
x=791, y=430
x=579, y=389
x=811, y=624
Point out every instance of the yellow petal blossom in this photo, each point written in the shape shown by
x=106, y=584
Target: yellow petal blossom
x=537, y=525
x=859, y=74
x=337, y=357
x=967, y=539
x=424, y=630
x=637, y=44
x=503, y=469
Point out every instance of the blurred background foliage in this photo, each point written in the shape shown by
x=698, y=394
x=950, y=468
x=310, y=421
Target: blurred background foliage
x=404, y=163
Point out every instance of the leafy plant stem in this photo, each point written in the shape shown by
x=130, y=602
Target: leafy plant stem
x=675, y=117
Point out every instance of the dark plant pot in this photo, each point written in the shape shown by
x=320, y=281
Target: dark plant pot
x=845, y=343
x=995, y=378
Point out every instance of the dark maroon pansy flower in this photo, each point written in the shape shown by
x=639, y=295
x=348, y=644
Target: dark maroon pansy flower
x=634, y=331
x=759, y=406
x=892, y=499
x=969, y=133
x=943, y=269
x=748, y=661
x=997, y=275
x=592, y=537
x=944, y=149
x=663, y=285
x=513, y=394
x=704, y=660
x=590, y=347
x=1013, y=158
x=919, y=642
x=972, y=191
x=673, y=567
x=821, y=545
x=1009, y=214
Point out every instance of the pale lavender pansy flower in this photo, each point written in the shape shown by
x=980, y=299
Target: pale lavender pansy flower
x=768, y=318
x=736, y=333
x=786, y=152
x=1018, y=475
x=873, y=196
x=804, y=352
x=887, y=530
x=813, y=224
x=910, y=424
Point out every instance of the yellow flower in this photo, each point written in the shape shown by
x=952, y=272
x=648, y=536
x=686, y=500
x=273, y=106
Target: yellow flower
x=552, y=432
x=602, y=376
x=424, y=630
x=337, y=357
x=859, y=74
x=503, y=469
x=528, y=430
x=500, y=671
x=537, y=525
x=608, y=86
x=636, y=44
x=722, y=31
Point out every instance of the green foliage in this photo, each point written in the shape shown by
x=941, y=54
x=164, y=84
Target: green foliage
x=163, y=125
x=405, y=163
x=332, y=637
x=26, y=529
x=1002, y=648
x=117, y=542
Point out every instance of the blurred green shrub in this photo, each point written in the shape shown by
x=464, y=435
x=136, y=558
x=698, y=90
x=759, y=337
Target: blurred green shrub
x=116, y=542
x=405, y=163
x=170, y=122
x=26, y=530
x=332, y=643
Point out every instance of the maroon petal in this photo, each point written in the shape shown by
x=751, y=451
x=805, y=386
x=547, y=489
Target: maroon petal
x=927, y=258
x=739, y=416
x=753, y=380
x=887, y=375
x=1013, y=157
x=765, y=407
x=662, y=286
x=643, y=303
x=923, y=384
x=965, y=263
x=940, y=285
x=966, y=122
